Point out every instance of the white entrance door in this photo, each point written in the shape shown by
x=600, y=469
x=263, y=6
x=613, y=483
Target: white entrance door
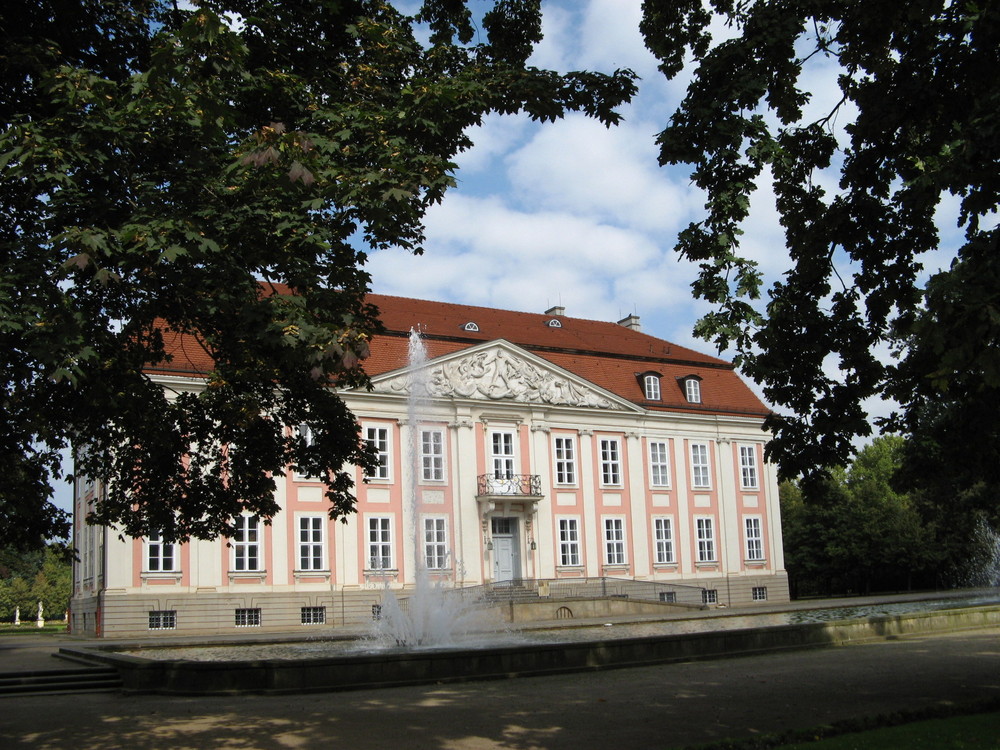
x=506, y=551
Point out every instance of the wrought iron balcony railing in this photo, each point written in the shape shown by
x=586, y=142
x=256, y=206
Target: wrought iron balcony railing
x=523, y=485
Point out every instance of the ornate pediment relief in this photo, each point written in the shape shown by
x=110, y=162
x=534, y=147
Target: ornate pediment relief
x=499, y=373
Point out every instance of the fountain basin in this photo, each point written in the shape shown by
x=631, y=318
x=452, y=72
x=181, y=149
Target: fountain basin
x=397, y=668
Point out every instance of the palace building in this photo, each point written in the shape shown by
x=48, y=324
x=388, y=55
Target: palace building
x=550, y=450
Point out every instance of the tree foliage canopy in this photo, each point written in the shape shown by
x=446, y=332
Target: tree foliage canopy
x=163, y=170
x=919, y=88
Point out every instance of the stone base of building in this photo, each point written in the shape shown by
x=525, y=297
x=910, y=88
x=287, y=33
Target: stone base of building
x=131, y=614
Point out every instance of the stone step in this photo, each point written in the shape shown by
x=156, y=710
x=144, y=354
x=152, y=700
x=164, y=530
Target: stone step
x=91, y=679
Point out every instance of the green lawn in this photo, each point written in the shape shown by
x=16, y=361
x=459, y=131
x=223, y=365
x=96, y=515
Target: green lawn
x=55, y=627
x=975, y=732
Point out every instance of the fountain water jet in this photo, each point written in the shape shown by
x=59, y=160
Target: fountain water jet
x=431, y=615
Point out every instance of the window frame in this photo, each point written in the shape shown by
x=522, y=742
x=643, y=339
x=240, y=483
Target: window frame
x=664, y=550
x=432, y=455
x=436, y=548
x=698, y=467
x=749, y=476
x=568, y=529
x=247, y=617
x=503, y=453
x=758, y=593
x=614, y=541
x=157, y=552
x=610, y=449
x=705, y=539
x=312, y=549
x=246, y=550
x=162, y=619
x=692, y=389
x=382, y=442
x=312, y=615
x=651, y=387
x=660, y=466
x=382, y=548
x=753, y=539
x=564, y=460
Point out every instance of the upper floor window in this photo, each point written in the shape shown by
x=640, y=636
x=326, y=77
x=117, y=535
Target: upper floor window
x=471, y=327
x=705, y=529
x=160, y=557
x=659, y=464
x=378, y=438
x=748, y=467
x=692, y=390
x=502, y=447
x=611, y=461
x=700, y=474
x=565, y=450
x=651, y=386
x=432, y=455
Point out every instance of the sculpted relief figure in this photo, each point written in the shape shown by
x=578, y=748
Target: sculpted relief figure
x=497, y=374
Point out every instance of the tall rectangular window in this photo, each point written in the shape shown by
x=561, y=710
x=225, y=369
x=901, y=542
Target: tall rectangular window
x=569, y=541
x=663, y=539
x=754, y=538
x=502, y=446
x=435, y=543
x=432, y=455
x=246, y=544
x=160, y=556
x=700, y=473
x=312, y=555
x=748, y=467
x=614, y=541
x=611, y=462
x=706, y=539
x=380, y=543
x=659, y=464
x=565, y=449
x=378, y=438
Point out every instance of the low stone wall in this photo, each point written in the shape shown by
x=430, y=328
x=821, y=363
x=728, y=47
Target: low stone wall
x=411, y=668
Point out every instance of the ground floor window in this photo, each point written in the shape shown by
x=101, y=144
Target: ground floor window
x=759, y=593
x=670, y=597
x=614, y=541
x=248, y=618
x=163, y=619
x=314, y=615
x=710, y=596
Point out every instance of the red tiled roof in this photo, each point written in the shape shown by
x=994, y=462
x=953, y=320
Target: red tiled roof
x=607, y=354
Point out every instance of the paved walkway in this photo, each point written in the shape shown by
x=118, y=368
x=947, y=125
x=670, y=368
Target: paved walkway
x=666, y=706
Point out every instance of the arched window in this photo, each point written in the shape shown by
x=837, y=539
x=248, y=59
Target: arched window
x=651, y=385
x=470, y=326
x=692, y=390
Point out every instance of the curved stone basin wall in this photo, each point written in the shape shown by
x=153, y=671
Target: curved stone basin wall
x=351, y=672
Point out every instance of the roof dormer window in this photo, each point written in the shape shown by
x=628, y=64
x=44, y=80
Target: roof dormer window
x=471, y=327
x=554, y=323
x=692, y=389
x=651, y=386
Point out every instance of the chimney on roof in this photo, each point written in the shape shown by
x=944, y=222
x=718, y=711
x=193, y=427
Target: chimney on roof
x=557, y=310
x=631, y=322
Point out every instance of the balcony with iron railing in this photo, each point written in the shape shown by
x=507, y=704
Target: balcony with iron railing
x=507, y=486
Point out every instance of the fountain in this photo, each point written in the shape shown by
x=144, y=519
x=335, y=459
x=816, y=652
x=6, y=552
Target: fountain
x=431, y=616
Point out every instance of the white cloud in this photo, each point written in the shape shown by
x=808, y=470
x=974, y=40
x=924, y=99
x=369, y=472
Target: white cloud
x=580, y=166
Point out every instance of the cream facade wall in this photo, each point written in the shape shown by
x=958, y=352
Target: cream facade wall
x=604, y=513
